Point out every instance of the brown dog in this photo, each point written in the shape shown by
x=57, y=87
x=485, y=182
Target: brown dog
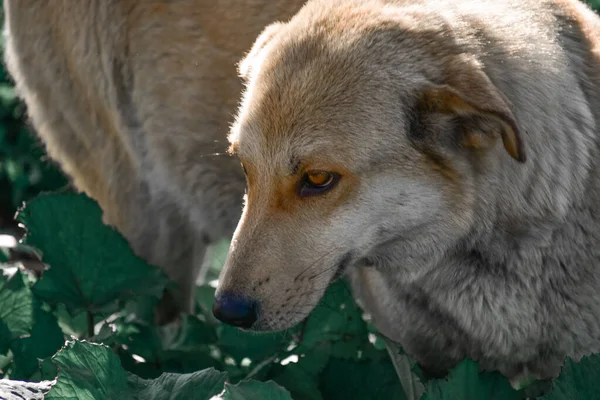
x=443, y=153
x=133, y=99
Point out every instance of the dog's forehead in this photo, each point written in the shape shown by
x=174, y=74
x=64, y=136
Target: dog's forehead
x=303, y=108
x=312, y=92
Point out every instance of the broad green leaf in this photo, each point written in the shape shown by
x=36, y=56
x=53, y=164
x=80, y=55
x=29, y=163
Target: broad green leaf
x=255, y=346
x=16, y=307
x=356, y=380
x=91, y=264
x=337, y=319
x=201, y=385
x=255, y=390
x=301, y=378
x=93, y=371
x=88, y=371
x=465, y=382
x=577, y=380
x=45, y=340
x=299, y=382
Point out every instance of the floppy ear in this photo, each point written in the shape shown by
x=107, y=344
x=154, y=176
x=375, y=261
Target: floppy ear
x=247, y=63
x=471, y=95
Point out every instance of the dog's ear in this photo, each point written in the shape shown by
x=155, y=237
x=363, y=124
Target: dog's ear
x=470, y=95
x=247, y=63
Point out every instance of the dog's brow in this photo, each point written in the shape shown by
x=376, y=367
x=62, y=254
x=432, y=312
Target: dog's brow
x=294, y=165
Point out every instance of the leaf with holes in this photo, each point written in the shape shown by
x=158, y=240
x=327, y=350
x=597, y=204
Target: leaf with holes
x=88, y=371
x=91, y=264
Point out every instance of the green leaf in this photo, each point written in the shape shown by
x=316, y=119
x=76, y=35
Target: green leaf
x=367, y=379
x=45, y=340
x=255, y=390
x=76, y=325
x=300, y=383
x=255, y=346
x=93, y=371
x=48, y=370
x=201, y=385
x=301, y=377
x=465, y=382
x=337, y=319
x=16, y=307
x=91, y=264
x=88, y=371
x=577, y=380
x=149, y=350
x=192, y=335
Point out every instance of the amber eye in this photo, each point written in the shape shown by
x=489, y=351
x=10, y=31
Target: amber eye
x=317, y=182
x=319, y=178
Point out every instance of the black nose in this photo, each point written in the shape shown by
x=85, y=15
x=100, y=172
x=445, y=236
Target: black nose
x=235, y=310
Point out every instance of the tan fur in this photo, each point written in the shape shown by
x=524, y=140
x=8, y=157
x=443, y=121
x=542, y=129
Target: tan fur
x=466, y=136
x=133, y=98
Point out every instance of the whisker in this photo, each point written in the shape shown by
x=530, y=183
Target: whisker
x=314, y=263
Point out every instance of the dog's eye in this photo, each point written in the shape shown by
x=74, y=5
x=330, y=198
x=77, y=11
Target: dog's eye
x=317, y=182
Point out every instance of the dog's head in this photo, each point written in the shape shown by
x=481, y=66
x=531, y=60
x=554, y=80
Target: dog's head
x=361, y=131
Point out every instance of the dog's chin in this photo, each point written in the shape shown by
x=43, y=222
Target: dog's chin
x=272, y=326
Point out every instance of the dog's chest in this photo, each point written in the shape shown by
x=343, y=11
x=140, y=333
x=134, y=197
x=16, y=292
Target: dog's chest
x=460, y=311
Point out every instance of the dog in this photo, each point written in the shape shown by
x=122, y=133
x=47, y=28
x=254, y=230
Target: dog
x=133, y=99
x=442, y=154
